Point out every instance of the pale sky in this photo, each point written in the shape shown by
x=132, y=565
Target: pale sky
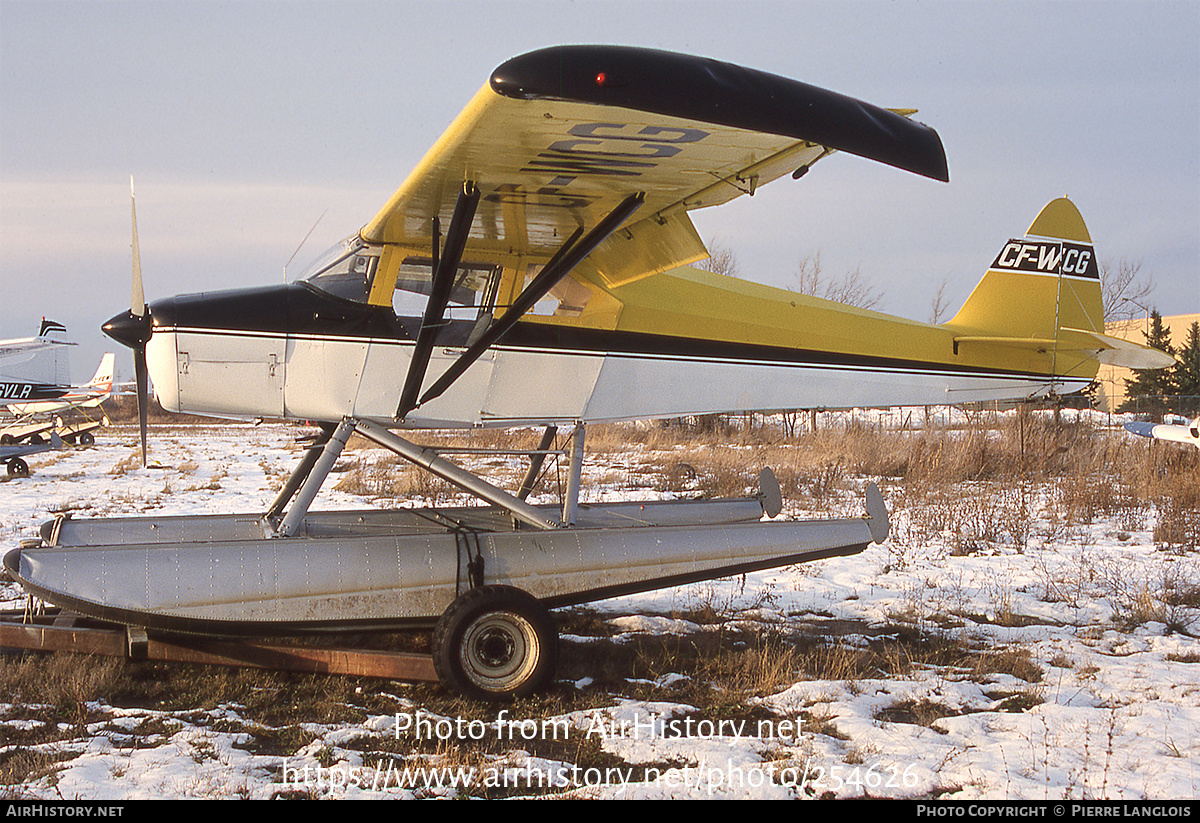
x=245, y=122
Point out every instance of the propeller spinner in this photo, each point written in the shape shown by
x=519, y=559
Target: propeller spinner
x=133, y=329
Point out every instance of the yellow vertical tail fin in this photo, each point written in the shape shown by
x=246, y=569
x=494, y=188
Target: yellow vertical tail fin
x=1038, y=284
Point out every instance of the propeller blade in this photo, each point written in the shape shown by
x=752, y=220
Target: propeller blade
x=143, y=401
x=137, y=303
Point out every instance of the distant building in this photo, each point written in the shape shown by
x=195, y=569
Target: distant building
x=1112, y=378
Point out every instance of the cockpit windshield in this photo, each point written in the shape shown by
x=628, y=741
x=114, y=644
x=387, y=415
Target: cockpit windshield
x=345, y=270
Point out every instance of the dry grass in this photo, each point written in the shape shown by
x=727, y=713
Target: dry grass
x=63, y=683
x=723, y=667
x=978, y=483
x=390, y=477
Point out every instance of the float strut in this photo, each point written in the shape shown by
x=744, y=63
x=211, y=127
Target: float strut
x=301, y=473
x=429, y=460
x=571, y=503
x=312, y=484
x=572, y=252
x=535, y=462
x=445, y=270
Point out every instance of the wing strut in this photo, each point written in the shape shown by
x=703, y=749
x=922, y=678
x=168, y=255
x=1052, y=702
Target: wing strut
x=445, y=268
x=565, y=259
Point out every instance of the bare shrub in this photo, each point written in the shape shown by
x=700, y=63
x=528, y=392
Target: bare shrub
x=1167, y=592
x=1069, y=582
x=851, y=288
x=1177, y=504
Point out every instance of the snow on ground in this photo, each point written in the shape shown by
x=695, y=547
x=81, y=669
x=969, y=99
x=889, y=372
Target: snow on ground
x=1114, y=711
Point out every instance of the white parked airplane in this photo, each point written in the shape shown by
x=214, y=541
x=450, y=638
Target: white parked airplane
x=62, y=398
x=1189, y=433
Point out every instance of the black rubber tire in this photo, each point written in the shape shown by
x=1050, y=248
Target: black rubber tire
x=86, y=439
x=495, y=643
x=18, y=468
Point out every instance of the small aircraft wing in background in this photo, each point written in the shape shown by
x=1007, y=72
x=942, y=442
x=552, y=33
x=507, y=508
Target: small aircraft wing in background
x=1162, y=431
x=47, y=337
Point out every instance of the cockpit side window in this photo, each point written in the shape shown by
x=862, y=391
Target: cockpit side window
x=473, y=294
x=346, y=270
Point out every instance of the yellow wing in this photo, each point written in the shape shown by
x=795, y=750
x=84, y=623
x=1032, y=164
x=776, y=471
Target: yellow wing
x=559, y=137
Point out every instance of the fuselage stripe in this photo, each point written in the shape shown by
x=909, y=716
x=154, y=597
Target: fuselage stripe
x=834, y=362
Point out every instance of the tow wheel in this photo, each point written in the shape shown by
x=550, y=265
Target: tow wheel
x=87, y=439
x=18, y=468
x=495, y=643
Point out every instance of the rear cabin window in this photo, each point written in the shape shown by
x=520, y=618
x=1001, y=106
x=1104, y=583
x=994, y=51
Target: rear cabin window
x=567, y=299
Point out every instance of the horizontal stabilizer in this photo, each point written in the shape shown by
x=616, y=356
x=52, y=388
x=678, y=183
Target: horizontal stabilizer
x=1111, y=351
x=1125, y=353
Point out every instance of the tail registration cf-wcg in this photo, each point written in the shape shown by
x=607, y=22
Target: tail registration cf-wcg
x=534, y=270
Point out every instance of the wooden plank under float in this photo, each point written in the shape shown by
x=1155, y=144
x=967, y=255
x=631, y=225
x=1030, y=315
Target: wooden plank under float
x=111, y=640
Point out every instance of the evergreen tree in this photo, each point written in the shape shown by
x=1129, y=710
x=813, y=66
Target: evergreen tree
x=1187, y=374
x=1149, y=389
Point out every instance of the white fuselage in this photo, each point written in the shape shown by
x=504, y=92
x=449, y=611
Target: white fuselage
x=315, y=377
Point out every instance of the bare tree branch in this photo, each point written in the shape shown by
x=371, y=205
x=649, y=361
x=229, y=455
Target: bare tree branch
x=1125, y=292
x=850, y=288
x=939, y=305
x=721, y=260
